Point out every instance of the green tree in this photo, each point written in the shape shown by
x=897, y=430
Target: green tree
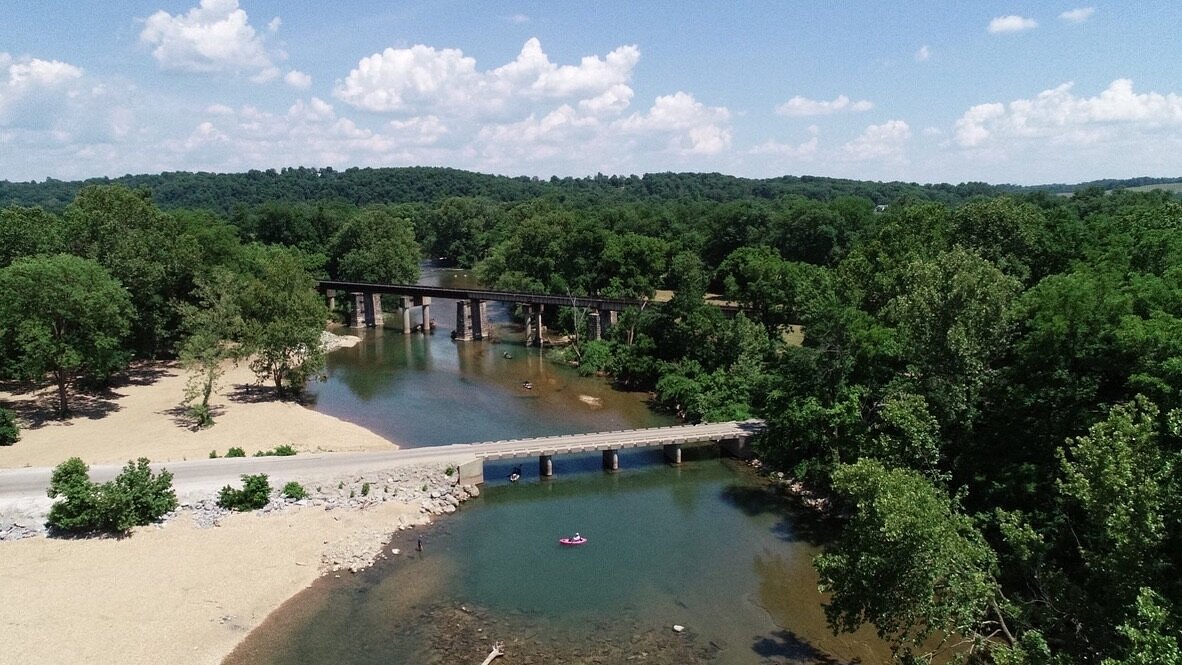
x=28, y=231
x=64, y=317
x=1152, y=636
x=284, y=316
x=376, y=246
x=214, y=325
x=142, y=247
x=9, y=431
x=908, y=561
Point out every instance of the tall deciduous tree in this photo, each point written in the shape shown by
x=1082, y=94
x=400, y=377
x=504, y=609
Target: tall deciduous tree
x=376, y=246
x=65, y=317
x=214, y=326
x=144, y=248
x=907, y=561
x=284, y=317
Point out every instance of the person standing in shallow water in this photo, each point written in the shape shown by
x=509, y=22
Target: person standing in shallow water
x=419, y=546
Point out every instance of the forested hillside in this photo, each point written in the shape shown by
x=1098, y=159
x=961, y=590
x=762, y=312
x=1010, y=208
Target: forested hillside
x=989, y=386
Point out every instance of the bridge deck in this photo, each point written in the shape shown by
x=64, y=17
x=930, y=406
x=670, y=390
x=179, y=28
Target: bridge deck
x=593, y=302
x=637, y=438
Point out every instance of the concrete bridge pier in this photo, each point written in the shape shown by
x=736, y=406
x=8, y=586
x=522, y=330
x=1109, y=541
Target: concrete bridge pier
x=546, y=466
x=480, y=326
x=404, y=308
x=330, y=299
x=424, y=302
x=611, y=460
x=593, y=323
x=608, y=318
x=673, y=453
x=463, y=330
x=533, y=325
x=356, y=310
x=738, y=447
x=373, y=310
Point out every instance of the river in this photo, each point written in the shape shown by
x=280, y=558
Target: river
x=704, y=545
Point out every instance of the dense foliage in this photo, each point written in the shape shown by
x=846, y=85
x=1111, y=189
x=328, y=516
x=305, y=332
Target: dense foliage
x=9, y=429
x=134, y=498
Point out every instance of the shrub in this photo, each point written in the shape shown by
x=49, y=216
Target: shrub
x=280, y=451
x=213, y=454
x=364, y=489
x=449, y=470
x=202, y=415
x=134, y=498
x=9, y=432
x=235, y=452
x=255, y=493
x=294, y=490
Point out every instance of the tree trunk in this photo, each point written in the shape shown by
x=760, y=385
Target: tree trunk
x=63, y=407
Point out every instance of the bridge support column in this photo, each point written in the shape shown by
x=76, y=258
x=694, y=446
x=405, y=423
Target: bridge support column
x=608, y=318
x=545, y=466
x=480, y=326
x=426, y=303
x=673, y=453
x=357, y=310
x=463, y=321
x=533, y=325
x=404, y=306
x=593, y=332
x=611, y=460
x=471, y=472
x=736, y=447
x=330, y=299
x=373, y=310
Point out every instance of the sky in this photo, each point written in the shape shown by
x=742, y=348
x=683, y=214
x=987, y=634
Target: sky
x=923, y=91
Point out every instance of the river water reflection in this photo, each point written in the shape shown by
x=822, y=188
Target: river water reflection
x=704, y=545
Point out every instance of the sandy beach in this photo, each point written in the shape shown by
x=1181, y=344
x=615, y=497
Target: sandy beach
x=174, y=593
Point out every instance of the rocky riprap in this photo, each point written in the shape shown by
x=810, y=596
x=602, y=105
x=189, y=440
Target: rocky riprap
x=430, y=487
x=19, y=528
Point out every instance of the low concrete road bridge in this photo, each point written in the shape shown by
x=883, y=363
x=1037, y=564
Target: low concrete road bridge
x=25, y=488
x=365, y=307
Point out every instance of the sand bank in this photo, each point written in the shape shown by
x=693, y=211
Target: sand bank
x=143, y=416
x=174, y=593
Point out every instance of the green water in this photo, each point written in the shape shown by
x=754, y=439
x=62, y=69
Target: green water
x=704, y=545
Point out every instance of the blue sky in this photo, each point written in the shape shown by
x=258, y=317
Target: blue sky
x=921, y=91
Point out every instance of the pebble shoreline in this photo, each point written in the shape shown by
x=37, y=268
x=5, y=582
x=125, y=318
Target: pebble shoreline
x=431, y=487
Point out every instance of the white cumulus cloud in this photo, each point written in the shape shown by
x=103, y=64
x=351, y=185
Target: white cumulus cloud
x=1078, y=15
x=879, y=142
x=1060, y=116
x=214, y=37
x=802, y=106
x=423, y=79
x=297, y=79
x=1011, y=23
x=691, y=126
x=923, y=54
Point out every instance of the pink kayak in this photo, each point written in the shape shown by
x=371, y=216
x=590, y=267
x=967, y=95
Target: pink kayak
x=572, y=541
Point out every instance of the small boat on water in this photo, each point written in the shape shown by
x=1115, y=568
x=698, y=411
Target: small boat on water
x=572, y=540
x=515, y=475
x=528, y=385
x=508, y=356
